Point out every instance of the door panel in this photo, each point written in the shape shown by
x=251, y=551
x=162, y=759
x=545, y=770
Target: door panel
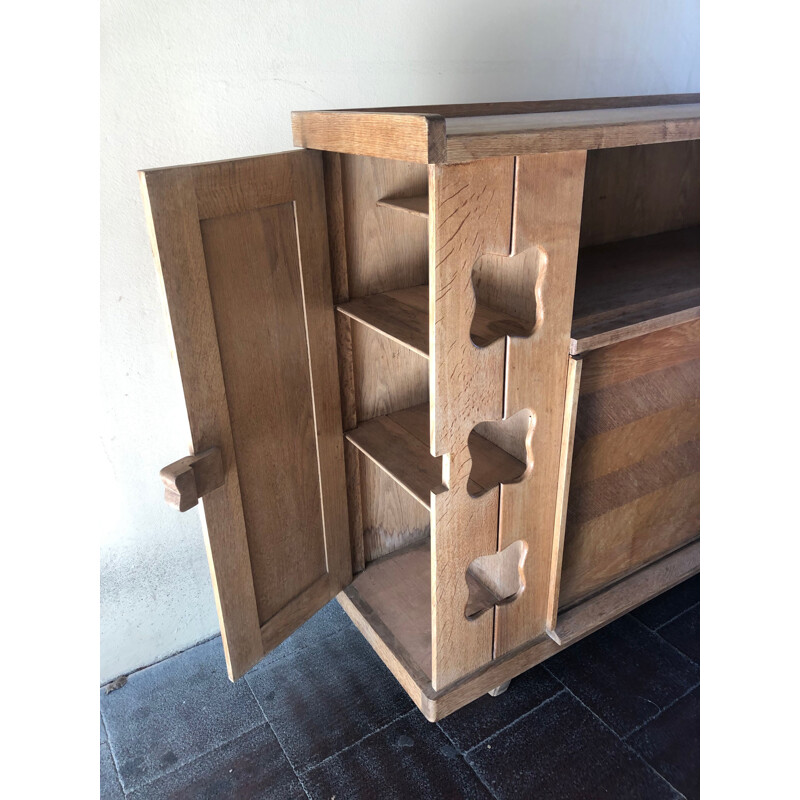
x=242, y=251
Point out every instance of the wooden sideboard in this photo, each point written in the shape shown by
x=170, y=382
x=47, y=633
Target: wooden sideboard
x=443, y=364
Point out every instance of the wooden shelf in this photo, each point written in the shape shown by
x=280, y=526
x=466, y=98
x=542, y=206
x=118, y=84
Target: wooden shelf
x=418, y=206
x=398, y=444
x=402, y=315
x=636, y=286
x=397, y=591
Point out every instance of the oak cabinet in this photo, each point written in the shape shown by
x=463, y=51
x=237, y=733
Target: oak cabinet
x=443, y=364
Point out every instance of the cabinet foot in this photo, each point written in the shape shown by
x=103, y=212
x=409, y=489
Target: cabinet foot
x=498, y=690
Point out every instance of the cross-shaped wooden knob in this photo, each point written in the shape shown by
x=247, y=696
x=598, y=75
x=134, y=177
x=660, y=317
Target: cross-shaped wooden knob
x=187, y=480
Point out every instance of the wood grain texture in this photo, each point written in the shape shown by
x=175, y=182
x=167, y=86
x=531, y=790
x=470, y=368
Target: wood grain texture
x=387, y=375
x=190, y=478
x=562, y=492
x=418, y=138
x=385, y=250
x=574, y=625
x=401, y=455
x=232, y=240
x=471, y=215
x=470, y=138
x=398, y=444
x=636, y=286
x=638, y=191
x=172, y=216
x=355, y=507
x=402, y=315
x=548, y=196
x=392, y=518
x=534, y=106
x=417, y=204
x=335, y=214
x=254, y=273
x=496, y=130
x=399, y=321
x=398, y=590
x=634, y=358
x=635, y=491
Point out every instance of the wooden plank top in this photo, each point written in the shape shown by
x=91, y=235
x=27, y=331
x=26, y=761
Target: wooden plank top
x=458, y=133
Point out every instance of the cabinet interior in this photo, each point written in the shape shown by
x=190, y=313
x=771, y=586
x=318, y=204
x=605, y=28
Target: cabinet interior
x=638, y=272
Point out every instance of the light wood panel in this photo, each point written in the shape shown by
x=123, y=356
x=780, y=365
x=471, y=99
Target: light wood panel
x=534, y=106
x=548, y=196
x=383, y=313
x=606, y=548
x=408, y=137
x=469, y=138
x=253, y=268
x=471, y=215
x=387, y=375
x=574, y=624
x=621, y=447
x=398, y=590
x=242, y=252
x=385, y=250
x=635, y=489
x=562, y=492
x=392, y=518
x=496, y=130
x=638, y=191
x=636, y=357
x=636, y=286
x=337, y=247
x=401, y=455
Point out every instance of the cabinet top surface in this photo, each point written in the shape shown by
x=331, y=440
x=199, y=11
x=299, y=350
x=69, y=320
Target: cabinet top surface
x=459, y=133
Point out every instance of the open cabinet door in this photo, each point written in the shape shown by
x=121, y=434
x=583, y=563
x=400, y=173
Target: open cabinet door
x=242, y=250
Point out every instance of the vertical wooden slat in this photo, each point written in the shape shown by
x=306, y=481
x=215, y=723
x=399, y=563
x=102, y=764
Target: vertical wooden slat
x=564, y=472
x=470, y=215
x=547, y=214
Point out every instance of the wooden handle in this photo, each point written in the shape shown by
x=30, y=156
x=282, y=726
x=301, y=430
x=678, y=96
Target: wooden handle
x=192, y=477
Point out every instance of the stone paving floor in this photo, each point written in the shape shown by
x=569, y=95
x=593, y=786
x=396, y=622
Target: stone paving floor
x=616, y=715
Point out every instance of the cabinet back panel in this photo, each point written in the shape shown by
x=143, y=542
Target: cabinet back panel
x=387, y=376
x=392, y=518
x=385, y=249
x=638, y=191
x=634, y=492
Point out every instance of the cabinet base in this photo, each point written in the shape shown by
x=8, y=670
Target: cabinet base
x=573, y=625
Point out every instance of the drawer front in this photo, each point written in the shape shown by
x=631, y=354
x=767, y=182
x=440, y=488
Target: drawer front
x=635, y=484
